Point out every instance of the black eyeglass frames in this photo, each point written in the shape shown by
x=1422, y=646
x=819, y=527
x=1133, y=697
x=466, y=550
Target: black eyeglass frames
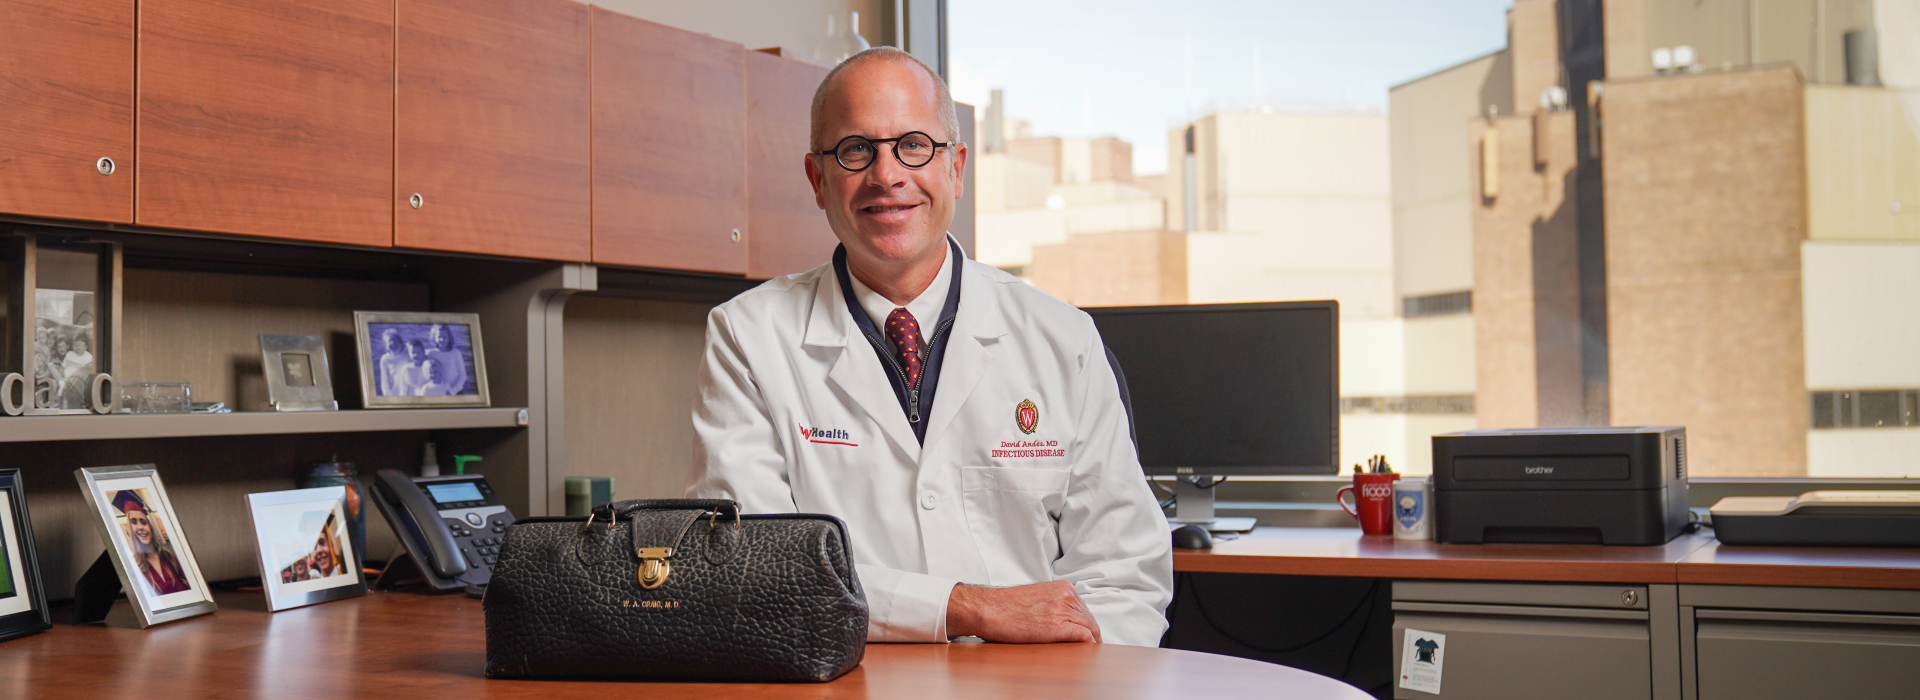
x=913, y=149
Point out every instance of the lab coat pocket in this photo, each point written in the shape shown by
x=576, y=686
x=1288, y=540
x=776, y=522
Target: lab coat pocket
x=1011, y=512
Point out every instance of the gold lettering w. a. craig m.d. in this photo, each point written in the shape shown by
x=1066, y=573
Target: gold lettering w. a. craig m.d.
x=649, y=603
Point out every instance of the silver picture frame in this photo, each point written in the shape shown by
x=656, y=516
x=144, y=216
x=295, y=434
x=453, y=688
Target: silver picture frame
x=103, y=487
x=281, y=522
x=299, y=377
x=394, y=360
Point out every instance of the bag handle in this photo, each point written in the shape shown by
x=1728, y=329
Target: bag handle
x=620, y=509
x=658, y=525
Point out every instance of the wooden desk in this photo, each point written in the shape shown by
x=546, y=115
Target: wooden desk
x=1318, y=551
x=414, y=646
x=1826, y=567
x=1695, y=558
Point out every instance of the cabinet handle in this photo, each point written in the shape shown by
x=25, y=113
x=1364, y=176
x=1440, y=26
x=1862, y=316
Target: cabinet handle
x=416, y=200
x=105, y=165
x=736, y=235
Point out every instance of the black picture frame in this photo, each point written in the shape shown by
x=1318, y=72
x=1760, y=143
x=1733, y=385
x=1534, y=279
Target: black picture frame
x=16, y=535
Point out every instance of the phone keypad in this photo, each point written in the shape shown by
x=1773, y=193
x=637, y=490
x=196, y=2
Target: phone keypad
x=480, y=545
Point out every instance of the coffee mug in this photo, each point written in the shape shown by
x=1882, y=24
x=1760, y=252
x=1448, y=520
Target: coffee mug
x=1372, y=502
x=1413, y=509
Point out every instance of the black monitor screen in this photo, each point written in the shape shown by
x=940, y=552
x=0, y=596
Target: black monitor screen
x=1228, y=389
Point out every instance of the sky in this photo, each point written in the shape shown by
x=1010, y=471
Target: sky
x=1078, y=68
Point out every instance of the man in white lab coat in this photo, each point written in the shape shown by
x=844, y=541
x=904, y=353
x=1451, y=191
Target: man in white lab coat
x=966, y=426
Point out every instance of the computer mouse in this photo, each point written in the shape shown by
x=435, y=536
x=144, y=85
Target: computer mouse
x=1192, y=537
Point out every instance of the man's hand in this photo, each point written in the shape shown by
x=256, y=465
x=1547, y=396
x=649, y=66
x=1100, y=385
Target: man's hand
x=1036, y=613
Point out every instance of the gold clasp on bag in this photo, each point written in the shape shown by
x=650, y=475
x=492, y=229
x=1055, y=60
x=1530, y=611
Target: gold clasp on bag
x=654, y=567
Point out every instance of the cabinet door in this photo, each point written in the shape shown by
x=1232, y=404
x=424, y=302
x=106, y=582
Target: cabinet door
x=268, y=118
x=1765, y=654
x=491, y=128
x=787, y=232
x=66, y=101
x=1531, y=652
x=669, y=147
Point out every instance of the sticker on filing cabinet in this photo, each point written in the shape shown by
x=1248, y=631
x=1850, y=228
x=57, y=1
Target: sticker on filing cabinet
x=1421, y=657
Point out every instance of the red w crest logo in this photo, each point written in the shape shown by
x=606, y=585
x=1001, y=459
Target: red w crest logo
x=1026, y=416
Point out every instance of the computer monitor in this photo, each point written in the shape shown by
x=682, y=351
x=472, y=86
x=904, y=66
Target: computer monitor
x=1229, y=390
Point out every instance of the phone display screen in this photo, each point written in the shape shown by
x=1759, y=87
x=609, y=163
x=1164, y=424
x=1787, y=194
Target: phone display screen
x=455, y=492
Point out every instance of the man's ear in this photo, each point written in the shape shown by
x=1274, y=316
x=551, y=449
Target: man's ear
x=813, y=176
x=959, y=170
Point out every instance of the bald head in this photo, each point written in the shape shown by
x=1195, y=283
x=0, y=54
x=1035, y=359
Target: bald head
x=877, y=57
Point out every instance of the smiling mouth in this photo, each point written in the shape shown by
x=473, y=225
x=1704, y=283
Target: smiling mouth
x=887, y=210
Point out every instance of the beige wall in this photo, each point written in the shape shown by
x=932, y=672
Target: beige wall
x=1114, y=269
x=1706, y=211
x=1007, y=238
x=1862, y=330
x=1863, y=165
x=1433, y=192
x=630, y=368
x=1728, y=34
x=800, y=25
x=1294, y=206
x=1526, y=278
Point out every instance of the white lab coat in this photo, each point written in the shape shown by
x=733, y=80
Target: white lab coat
x=982, y=502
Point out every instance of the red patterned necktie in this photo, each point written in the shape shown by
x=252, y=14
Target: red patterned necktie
x=904, y=333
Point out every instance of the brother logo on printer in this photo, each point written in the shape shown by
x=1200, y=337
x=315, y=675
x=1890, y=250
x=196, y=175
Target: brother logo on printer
x=1539, y=470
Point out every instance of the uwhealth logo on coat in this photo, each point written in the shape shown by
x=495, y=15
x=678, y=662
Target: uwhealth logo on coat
x=826, y=436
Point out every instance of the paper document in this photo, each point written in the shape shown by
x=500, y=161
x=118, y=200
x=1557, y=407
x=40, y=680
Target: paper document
x=1421, y=656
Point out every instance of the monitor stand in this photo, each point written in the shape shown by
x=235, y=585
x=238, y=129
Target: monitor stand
x=1193, y=505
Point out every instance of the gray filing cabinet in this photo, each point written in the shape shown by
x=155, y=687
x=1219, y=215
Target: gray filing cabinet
x=1758, y=643
x=1565, y=641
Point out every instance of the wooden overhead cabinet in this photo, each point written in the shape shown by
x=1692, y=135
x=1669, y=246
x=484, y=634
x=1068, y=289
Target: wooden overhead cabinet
x=787, y=232
x=492, y=136
x=66, y=103
x=669, y=147
x=268, y=118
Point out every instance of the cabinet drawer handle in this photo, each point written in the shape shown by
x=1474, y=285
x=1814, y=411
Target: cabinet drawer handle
x=736, y=235
x=416, y=200
x=104, y=165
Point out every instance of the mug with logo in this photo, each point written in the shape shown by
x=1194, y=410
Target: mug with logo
x=1372, y=502
x=1413, y=509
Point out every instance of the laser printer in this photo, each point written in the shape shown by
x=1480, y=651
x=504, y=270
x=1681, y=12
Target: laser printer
x=1577, y=485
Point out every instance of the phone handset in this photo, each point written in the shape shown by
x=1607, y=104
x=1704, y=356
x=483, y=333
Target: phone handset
x=398, y=489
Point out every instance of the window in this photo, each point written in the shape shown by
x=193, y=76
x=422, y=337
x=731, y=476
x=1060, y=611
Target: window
x=1708, y=217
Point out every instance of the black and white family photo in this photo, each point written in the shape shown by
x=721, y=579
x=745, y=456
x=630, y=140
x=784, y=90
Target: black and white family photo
x=63, y=348
x=421, y=359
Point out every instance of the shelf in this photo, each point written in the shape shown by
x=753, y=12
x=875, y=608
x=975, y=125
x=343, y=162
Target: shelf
x=130, y=427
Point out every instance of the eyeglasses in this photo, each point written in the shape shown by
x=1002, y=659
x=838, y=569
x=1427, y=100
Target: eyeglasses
x=913, y=149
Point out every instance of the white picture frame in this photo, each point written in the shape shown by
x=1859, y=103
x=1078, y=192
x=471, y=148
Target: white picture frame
x=305, y=553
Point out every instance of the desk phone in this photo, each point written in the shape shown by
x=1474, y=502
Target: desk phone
x=450, y=527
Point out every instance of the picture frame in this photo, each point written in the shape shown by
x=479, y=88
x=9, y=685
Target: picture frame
x=23, y=598
x=299, y=378
x=145, y=542
x=62, y=322
x=420, y=360
x=306, y=555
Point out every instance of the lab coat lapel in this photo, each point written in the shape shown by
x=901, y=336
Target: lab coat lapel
x=977, y=327
x=857, y=371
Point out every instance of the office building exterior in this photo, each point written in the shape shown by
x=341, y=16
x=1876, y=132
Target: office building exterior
x=1707, y=233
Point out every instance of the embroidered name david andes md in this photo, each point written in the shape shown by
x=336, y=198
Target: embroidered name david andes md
x=1031, y=448
x=827, y=436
